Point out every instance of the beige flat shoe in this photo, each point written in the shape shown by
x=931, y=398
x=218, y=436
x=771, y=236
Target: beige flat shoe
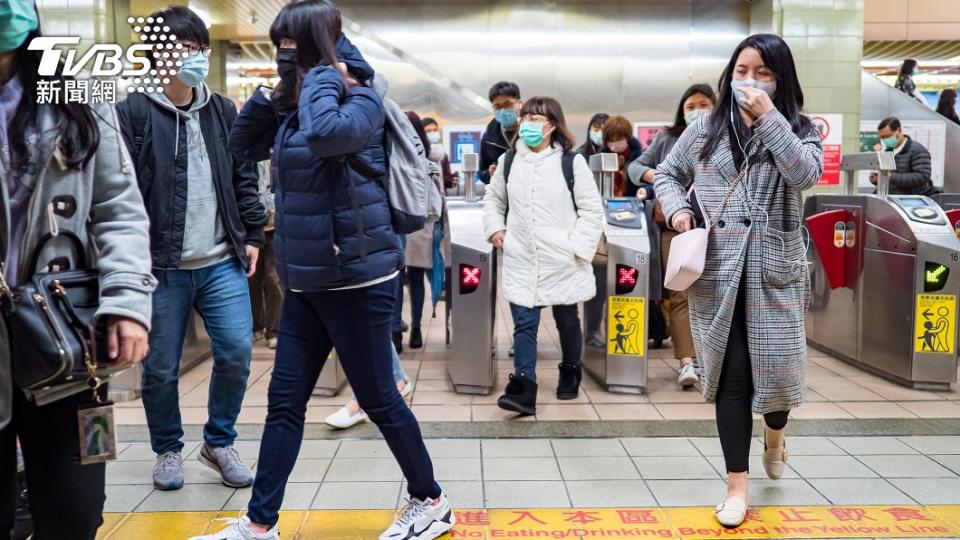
x=774, y=460
x=731, y=512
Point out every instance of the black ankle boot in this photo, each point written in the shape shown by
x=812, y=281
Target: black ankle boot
x=398, y=341
x=416, y=338
x=569, y=385
x=520, y=396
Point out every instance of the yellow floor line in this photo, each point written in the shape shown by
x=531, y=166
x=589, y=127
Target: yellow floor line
x=852, y=521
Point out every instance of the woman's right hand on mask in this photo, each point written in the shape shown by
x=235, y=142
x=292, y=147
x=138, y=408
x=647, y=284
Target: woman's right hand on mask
x=683, y=222
x=497, y=239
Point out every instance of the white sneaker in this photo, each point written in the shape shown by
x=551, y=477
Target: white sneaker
x=407, y=390
x=688, y=376
x=272, y=343
x=239, y=529
x=342, y=419
x=422, y=520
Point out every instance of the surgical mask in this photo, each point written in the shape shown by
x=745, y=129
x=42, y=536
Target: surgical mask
x=17, y=18
x=690, y=117
x=506, y=117
x=770, y=88
x=287, y=66
x=618, y=147
x=434, y=137
x=889, y=142
x=194, y=69
x=531, y=133
x=596, y=136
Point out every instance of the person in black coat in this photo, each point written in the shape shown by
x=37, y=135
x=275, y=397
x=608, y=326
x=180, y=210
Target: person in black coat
x=505, y=98
x=913, y=174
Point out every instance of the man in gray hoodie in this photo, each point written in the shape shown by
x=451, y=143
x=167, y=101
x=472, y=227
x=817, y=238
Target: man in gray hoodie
x=206, y=229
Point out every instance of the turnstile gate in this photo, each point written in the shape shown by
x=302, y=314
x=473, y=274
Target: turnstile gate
x=332, y=379
x=622, y=262
x=472, y=292
x=885, y=279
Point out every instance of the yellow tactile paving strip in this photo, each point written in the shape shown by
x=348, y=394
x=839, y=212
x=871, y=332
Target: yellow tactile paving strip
x=685, y=523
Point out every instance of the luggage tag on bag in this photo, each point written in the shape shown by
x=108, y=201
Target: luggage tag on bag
x=98, y=437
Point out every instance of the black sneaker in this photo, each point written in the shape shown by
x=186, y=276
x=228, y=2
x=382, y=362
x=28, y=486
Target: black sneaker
x=569, y=385
x=520, y=396
x=416, y=338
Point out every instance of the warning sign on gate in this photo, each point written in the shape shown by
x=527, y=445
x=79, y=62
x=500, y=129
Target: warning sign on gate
x=936, y=323
x=626, y=331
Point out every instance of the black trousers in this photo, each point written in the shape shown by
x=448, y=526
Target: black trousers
x=735, y=395
x=66, y=498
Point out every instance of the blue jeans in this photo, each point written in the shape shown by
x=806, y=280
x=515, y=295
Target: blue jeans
x=526, y=321
x=220, y=295
x=418, y=293
x=357, y=323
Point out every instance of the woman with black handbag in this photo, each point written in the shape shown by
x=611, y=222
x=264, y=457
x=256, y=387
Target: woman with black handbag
x=69, y=318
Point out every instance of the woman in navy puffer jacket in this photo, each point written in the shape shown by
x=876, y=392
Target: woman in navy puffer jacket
x=337, y=256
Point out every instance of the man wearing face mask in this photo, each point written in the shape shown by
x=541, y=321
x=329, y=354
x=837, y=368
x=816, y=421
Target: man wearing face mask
x=206, y=230
x=505, y=99
x=912, y=176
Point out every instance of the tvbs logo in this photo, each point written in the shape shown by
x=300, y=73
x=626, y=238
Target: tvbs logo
x=149, y=64
x=106, y=58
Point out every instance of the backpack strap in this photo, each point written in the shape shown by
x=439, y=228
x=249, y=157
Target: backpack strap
x=508, y=163
x=567, y=165
x=138, y=108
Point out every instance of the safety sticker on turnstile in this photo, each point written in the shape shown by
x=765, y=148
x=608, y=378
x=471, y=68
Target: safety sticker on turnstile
x=839, y=234
x=625, y=325
x=851, y=234
x=936, y=323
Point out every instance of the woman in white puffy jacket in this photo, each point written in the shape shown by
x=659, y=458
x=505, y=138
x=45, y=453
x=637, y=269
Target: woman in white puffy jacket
x=543, y=209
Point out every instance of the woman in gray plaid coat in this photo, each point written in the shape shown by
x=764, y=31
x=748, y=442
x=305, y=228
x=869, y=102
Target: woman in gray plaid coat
x=749, y=161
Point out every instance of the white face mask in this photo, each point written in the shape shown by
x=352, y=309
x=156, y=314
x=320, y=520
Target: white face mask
x=596, y=136
x=693, y=115
x=434, y=137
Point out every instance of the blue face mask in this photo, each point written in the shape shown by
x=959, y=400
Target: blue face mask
x=18, y=19
x=531, y=133
x=506, y=117
x=194, y=70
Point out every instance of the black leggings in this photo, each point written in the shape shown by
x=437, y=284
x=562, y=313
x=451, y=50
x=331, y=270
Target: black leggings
x=735, y=395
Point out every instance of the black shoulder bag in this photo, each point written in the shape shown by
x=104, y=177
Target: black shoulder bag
x=53, y=337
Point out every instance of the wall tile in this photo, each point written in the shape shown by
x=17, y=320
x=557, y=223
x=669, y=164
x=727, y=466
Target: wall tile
x=885, y=11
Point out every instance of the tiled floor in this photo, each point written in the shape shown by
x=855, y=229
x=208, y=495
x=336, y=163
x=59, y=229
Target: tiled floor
x=565, y=473
x=836, y=390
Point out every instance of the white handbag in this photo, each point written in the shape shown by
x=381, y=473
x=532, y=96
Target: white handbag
x=688, y=250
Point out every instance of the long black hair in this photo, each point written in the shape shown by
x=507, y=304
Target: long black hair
x=906, y=68
x=788, y=99
x=947, y=104
x=315, y=26
x=598, y=118
x=680, y=119
x=79, y=134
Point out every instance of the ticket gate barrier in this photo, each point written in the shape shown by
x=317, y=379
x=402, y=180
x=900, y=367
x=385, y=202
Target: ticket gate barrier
x=332, y=378
x=472, y=291
x=622, y=263
x=885, y=279
x=125, y=386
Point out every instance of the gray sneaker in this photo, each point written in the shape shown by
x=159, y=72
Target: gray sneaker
x=168, y=471
x=227, y=462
